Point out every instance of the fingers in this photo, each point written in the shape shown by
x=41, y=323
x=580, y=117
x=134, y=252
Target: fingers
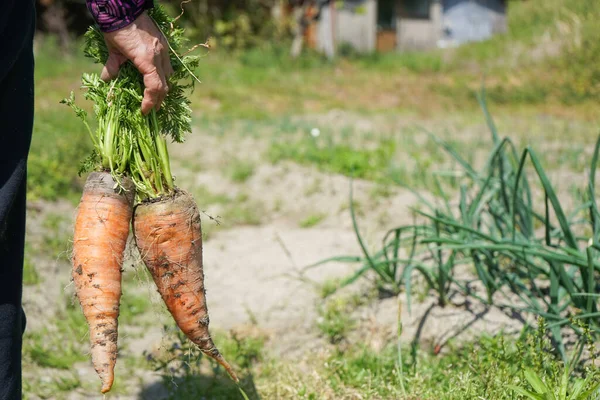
x=166, y=60
x=155, y=90
x=167, y=66
x=143, y=44
x=155, y=81
x=111, y=68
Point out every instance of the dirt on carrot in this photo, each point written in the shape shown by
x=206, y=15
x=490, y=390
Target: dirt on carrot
x=100, y=237
x=169, y=238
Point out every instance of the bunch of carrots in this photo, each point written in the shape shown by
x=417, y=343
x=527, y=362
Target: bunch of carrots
x=130, y=185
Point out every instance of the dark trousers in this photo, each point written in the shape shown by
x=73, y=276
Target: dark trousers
x=16, y=122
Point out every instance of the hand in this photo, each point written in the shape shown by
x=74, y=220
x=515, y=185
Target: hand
x=143, y=44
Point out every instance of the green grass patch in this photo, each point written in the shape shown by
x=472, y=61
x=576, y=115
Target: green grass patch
x=30, y=274
x=46, y=387
x=337, y=158
x=133, y=306
x=329, y=287
x=59, y=141
x=243, y=211
x=55, y=242
x=335, y=318
x=312, y=220
x=58, y=146
x=481, y=369
x=241, y=171
x=205, y=197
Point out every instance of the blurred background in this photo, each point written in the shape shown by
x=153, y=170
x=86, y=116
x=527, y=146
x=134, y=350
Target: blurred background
x=297, y=99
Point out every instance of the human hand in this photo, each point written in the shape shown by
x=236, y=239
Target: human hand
x=146, y=47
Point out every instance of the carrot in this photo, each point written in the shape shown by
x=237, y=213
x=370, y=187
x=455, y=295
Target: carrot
x=166, y=222
x=100, y=236
x=169, y=237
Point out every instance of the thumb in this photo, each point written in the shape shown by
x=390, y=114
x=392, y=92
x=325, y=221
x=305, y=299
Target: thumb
x=111, y=68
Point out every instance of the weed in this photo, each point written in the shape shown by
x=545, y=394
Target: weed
x=335, y=321
x=329, y=287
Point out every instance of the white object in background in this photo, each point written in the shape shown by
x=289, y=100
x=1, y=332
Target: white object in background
x=325, y=41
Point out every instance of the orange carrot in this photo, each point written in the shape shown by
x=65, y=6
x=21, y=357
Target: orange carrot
x=169, y=238
x=101, y=231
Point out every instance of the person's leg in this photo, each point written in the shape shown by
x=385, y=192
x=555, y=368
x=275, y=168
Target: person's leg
x=16, y=121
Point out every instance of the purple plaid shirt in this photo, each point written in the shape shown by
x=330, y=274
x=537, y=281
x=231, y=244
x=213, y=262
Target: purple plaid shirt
x=111, y=15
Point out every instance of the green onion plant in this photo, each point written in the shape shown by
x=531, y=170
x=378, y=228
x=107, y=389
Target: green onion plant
x=529, y=256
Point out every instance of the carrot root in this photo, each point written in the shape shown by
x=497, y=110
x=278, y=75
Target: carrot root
x=169, y=237
x=100, y=237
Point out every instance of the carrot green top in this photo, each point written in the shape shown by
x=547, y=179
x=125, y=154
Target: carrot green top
x=126, y=142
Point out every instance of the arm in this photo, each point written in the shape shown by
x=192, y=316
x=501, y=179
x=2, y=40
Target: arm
x=111, y=15
x=131, y=34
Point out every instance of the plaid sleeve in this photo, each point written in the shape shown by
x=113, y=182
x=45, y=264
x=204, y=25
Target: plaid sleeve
x=111, y=15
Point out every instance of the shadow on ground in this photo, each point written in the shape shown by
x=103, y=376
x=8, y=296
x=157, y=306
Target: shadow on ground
x=194, y=387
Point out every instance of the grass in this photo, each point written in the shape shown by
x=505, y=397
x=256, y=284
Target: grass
x=50, y=348
x=482, y=368
x=312, y=220
x=183, y=368
x=134, y=305
x=335, y=320
x=56, y=237
x=242, y=210
x=337, y=158
x=206, y=197
x=515, y=66
x=30, y=274
x=329, y=287
x=241, y=171
x=57, y=386
x=52, y=170
x=485, y=367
